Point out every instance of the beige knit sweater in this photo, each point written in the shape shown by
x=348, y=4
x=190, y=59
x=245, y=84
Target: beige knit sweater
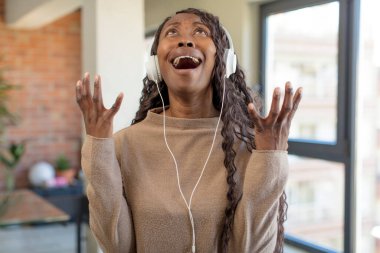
x=135, y=204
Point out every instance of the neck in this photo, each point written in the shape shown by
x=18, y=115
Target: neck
x=197, y=107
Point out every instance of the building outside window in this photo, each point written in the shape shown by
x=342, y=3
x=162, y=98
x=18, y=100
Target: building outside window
x=302, y=45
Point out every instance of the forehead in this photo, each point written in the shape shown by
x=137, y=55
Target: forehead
x=183, y=19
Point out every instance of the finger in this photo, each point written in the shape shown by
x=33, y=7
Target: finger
x=83, y=105
x=255, y=116
x=78, y=92
x=296, y=101
x=86, y=88
x=97, y=98
x=275, y=106
x=115, y=107
x=287, y=105
x=86, y=94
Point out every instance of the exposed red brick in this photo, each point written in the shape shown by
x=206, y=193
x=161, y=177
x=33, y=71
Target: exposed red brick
x=2, y=7
x=46, y=63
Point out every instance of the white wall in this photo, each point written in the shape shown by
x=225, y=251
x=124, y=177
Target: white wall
x=113, y=46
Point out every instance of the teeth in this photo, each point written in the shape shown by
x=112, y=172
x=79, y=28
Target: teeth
x=176, y=60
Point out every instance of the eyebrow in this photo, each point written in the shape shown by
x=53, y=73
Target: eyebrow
x=199, y=23
x=178, y=23
x=173, y=24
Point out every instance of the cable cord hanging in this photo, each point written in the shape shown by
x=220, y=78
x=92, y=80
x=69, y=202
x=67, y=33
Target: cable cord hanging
x=188, y=204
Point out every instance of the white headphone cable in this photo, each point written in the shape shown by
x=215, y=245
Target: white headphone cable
x=188, y=205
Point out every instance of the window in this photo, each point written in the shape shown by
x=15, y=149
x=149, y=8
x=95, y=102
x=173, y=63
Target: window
x=368, y=129
x=311, y=43
x=309, y=59
x=316, y=201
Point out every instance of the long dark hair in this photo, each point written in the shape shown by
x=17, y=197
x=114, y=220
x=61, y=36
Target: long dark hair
x=236, y=121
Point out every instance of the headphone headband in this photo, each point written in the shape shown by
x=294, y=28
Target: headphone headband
x=230, y=43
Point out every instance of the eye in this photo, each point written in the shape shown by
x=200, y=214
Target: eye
x=201, y=31
x=171, y=32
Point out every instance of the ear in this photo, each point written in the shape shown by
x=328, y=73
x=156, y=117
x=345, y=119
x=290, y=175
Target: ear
x=230, y=61
x=153, y=69
x=229, y=55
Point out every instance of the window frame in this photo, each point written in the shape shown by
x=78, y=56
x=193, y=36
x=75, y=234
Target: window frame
x=344, y=149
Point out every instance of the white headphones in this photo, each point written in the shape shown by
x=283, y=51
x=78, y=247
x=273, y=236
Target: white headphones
x=153, y=68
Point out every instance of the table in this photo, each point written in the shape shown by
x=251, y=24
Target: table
x=67, y=198
x=25, y=207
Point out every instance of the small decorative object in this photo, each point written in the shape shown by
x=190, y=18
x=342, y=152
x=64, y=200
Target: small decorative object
x=41, y=174
x=64, y=169
x=9, y=159
x=60, y=182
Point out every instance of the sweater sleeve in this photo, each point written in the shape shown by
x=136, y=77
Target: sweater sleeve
x=255, y=226
x=110, y=216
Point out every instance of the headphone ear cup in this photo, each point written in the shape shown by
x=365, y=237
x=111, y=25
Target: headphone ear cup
x=152, y=69
x=230, y=61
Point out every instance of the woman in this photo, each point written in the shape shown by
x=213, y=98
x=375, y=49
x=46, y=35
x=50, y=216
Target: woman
x=175, y=181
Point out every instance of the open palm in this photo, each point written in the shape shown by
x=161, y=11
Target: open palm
x=98, y=120
x=272, y=132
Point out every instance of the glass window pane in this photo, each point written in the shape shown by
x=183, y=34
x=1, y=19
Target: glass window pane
x=315, y=193
x=368, y=129
x=302, y=47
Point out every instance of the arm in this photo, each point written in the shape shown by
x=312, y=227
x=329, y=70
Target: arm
x=110, y=217
x=255, y=226
x=262, y=205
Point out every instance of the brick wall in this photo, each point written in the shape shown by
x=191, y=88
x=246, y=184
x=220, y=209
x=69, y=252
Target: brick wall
x=46, y=63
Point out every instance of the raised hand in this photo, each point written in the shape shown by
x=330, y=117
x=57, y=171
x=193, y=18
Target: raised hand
x=272, y=132
x=97, y=119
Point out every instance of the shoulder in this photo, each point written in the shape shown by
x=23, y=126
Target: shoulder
x=126, y=138
x=127, y=131
x=135, y=132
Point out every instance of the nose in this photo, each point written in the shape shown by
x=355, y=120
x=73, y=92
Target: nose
x=185, y=44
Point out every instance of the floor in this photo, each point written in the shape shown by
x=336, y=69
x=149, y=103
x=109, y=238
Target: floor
x=40, y=239
x=49, y=239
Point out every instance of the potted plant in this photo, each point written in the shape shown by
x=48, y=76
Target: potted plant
x=9, y=154
x=9, y=159
x=64, y=169
x=6, y=117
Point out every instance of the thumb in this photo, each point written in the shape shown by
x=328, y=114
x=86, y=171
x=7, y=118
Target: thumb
x=255, y=116
x=116, y=106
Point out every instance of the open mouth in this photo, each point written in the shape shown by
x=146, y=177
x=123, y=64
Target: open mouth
x=186, y=62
